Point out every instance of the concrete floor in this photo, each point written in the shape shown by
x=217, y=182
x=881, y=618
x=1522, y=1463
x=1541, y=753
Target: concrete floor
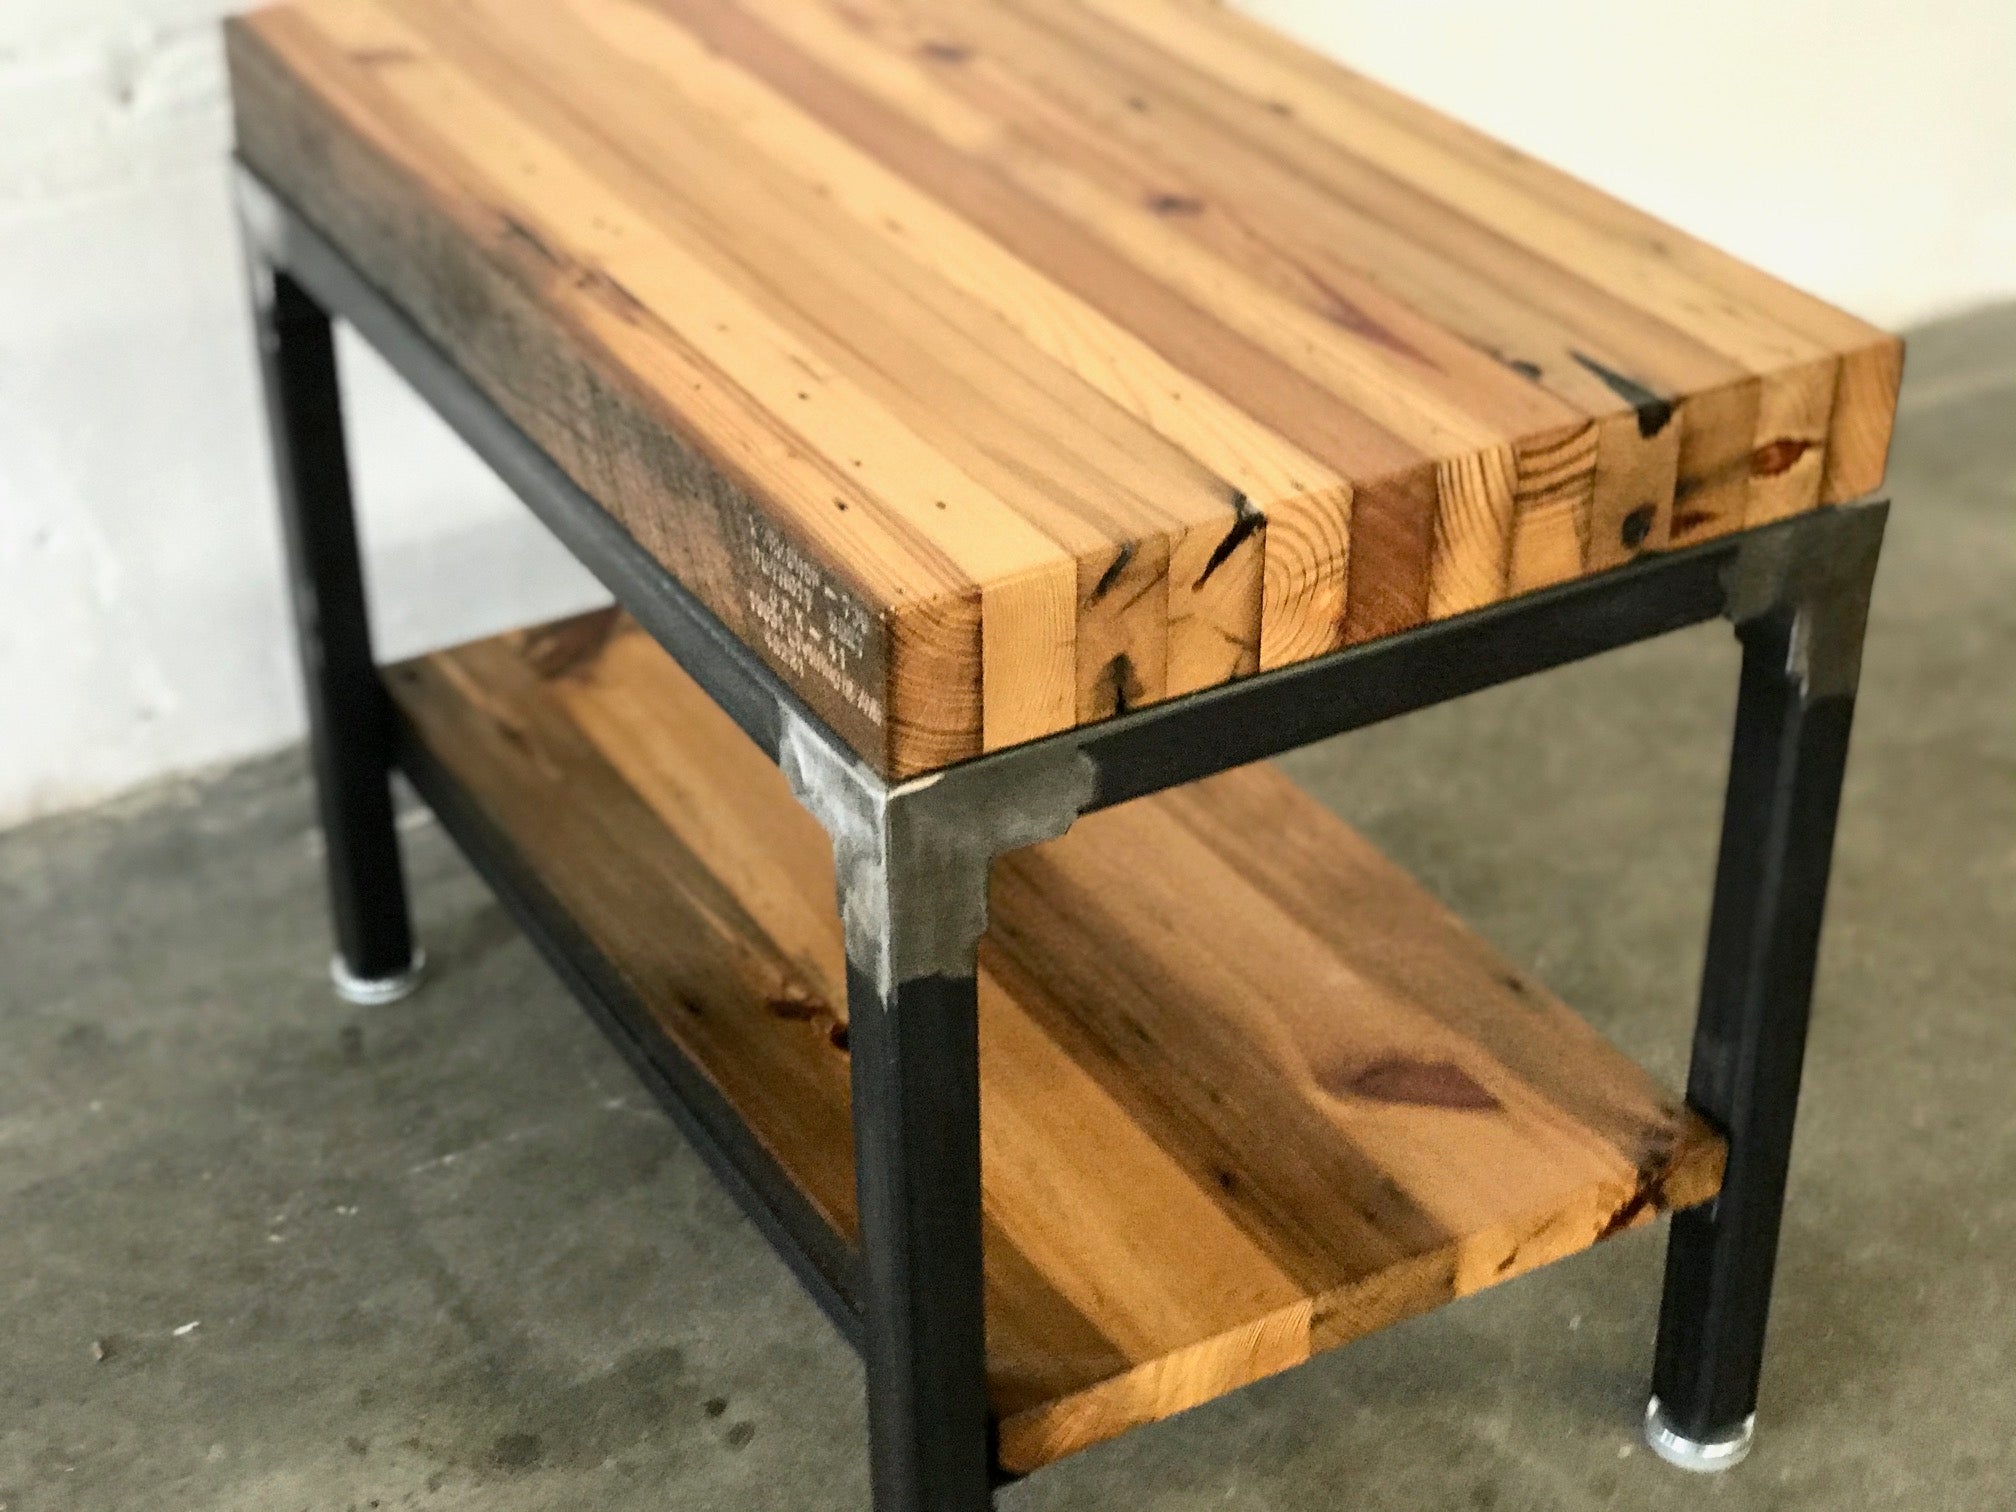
x=260, y=1252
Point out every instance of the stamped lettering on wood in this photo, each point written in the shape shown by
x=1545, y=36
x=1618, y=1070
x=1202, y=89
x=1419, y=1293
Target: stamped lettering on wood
x=808, y=626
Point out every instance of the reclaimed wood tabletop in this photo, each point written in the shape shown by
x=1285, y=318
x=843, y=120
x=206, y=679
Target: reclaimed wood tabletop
x=995, y=366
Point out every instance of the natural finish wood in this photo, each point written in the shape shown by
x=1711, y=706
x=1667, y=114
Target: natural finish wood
x=1248, y=1092
x=994, y=365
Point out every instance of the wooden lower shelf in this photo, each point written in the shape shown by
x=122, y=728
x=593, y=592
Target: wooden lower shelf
x=1248, y=1091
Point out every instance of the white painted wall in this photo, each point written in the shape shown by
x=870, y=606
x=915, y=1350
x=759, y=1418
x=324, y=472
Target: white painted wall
x=142, y=623
x=1864, y=149
x=1867, y=150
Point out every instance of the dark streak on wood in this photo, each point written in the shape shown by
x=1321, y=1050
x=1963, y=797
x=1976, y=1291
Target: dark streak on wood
x=1125, y=684
x=604, y=286
x=1139, y=594
x=799, y=1008
x=1647, y=1198
x=1779, y=456
x=1427, y=1084
x=1112, y=573
x=591, y=280
x=1735, y=468
x=516, y=230
x=1347, y=315
x=1525, y=367
x=1654, y=413
x=1246, y=523
x=1638, y=525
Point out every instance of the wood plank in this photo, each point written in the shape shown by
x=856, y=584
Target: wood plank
x=994, y=366
x=1248, y=1092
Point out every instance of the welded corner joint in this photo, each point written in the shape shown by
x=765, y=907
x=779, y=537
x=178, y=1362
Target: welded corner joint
x=1819, y=569
x=911, y=860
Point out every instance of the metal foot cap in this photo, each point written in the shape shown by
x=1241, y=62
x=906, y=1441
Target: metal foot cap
x=375, y=992
x=1705, y=1458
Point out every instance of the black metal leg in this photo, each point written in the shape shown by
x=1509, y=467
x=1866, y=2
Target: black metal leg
x=1771, y=884
x=913, y=862
x=349, y=720
x=917, y=1160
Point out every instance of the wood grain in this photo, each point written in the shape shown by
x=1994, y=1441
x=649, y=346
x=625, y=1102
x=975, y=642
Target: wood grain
x=994, y=366
x=1248, y=1092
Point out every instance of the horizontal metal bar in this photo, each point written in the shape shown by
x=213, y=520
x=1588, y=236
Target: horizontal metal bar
x=732, y=675
x=1212, y=731
x=824, y=1262
x=1167, y=745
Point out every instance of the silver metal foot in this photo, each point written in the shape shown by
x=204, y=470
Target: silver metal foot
x=375, y=992
x=1707, y=1458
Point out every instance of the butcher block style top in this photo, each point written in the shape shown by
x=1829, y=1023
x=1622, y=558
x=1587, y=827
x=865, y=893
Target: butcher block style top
x=994, y=366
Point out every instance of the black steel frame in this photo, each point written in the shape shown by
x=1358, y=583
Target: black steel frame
x=913, y=859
